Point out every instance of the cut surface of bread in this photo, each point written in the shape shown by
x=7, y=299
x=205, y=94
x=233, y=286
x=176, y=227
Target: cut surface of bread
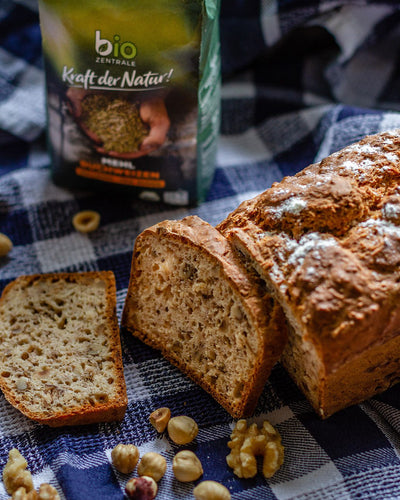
x=60, y=351
x=327, y=243
x=190, y=297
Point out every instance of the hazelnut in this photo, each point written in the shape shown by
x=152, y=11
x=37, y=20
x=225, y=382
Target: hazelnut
x=159, y=419
x=141, y=488
x=186, y=466
x=125, y=457
x=211, y=490
x=153, y=465
x=182, y=429
x=5, y=245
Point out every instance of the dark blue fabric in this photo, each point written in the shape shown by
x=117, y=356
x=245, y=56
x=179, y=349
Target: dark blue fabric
x=301, y=79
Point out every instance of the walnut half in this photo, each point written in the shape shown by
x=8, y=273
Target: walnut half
x=248, y=442
x=15, y=473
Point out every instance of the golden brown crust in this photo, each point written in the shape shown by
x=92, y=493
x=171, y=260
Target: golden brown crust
x=327, y=242
x=115, y=403
x=210, y=247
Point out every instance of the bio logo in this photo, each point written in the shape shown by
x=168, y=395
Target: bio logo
x=105, y=47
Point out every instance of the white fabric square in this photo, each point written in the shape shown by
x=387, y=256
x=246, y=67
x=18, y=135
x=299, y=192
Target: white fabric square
x=145, y=221
x=390, y=121
x=241, y=149
x=304, y=459
x=242, y=87
x=36, y=187
x=23, y=113
x=348, y=34
x=13, y=422
x=117, y=237
x=136, y=388
x=47, y=476
x=325, y=475
x=70, y=250
x=21, y=260
x=270, y=21
x=38, y=157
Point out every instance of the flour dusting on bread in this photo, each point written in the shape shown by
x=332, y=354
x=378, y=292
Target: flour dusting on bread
x=333, y=265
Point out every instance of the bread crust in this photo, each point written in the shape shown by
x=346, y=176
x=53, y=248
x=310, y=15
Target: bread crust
x=85, y=412
x=327, y=242
x=267, y=322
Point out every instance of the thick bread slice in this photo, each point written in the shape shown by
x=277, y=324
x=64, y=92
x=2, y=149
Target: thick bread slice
x=327, y=243
x=60, y=351
x=191, y=298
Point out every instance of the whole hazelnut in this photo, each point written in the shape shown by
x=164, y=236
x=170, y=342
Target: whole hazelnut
x=141, y=488
x=186, y=466
x=182, y=429
x=211, y=490
x=125, y=457
x=152, y=464
x=5, y=245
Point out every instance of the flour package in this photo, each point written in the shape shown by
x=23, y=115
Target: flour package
x=133, y=95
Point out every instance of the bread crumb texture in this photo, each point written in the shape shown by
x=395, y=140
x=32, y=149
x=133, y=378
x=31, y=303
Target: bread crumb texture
x=60, y=356
x=185, y=295
x=190, y=298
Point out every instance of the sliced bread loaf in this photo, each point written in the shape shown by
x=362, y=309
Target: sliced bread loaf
x=60, y=351
x=327, y=243
x=191, y=298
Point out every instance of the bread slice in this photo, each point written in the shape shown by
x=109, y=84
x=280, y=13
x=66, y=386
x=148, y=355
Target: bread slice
x=60, y=351
x=327, y=243
x=190, y=297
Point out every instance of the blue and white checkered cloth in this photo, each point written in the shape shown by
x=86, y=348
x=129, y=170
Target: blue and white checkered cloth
x=301, y=80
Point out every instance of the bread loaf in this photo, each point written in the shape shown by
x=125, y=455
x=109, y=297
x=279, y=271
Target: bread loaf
x=191, y=298
x=327, y=243
x=60, y=352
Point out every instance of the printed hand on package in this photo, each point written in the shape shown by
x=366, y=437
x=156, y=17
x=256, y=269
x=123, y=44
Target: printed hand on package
x=154, y=115
x=75, y=97
x=120, y=128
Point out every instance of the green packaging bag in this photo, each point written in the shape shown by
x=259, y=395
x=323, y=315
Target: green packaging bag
x=133, y=95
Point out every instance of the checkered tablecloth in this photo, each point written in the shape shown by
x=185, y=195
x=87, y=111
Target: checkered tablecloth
x=301, y=79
